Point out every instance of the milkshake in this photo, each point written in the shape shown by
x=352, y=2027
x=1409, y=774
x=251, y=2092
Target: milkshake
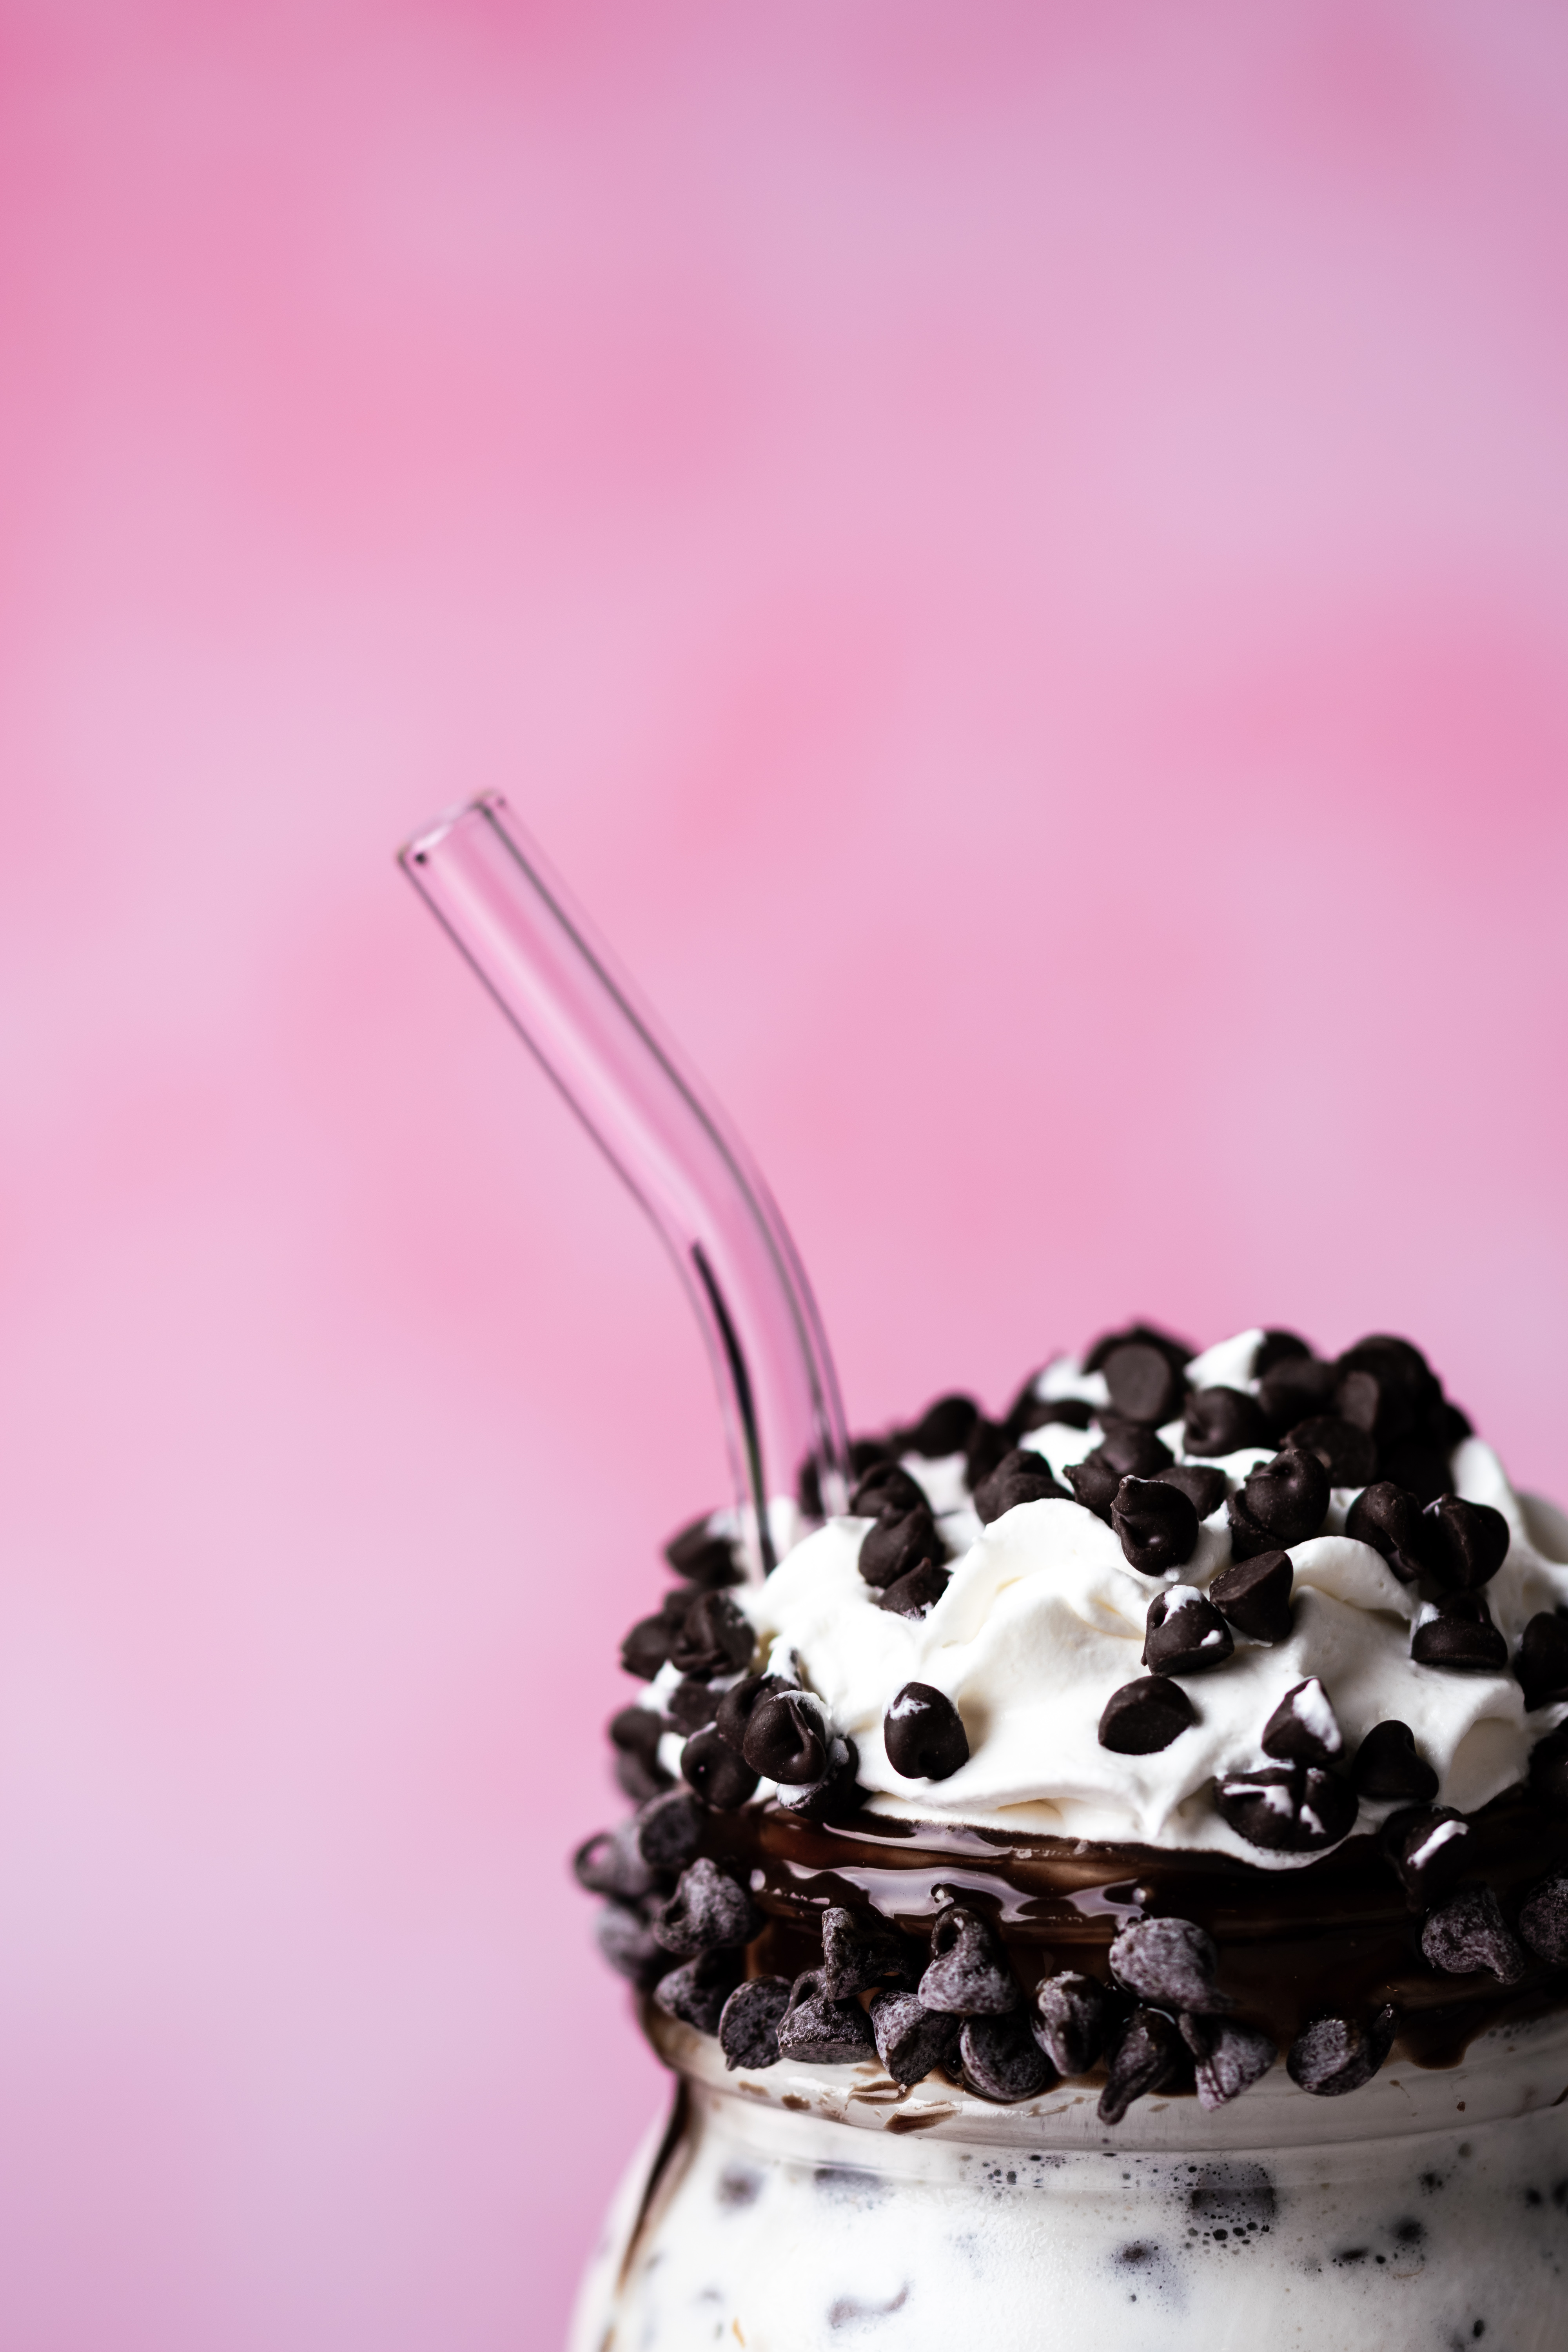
x=1115, y=1875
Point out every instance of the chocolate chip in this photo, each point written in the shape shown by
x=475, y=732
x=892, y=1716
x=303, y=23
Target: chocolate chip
x=1073, y=2017
x=897, y=1544
x=1336, y=2054
x=1278, y=1348
x=1001, y=2059
x=1255, y=1595
x=1021, y=1477
x=1150, y=2056
x=648, y=1645
x=634, y=1733
x=887, y=1491
x=1145, y=1335
x=912, y=2039
x=1229, y=2058
x=1028, y=1412
x=705, y=1559
x=1185, y=1634
x=630, y=1946
x=913, y=1595
x=1157, y=1526
x=1541, y=1661
x=1094, y=1482
x=738, y=1703
x=1388, y=1517
x=1288, y=1497
x=1462, y=1545
x=787, y=1738
x=923, y=1734
x=1549, y=1769
x=1144, y=1716
x=1303, y=1728
x=1288, y=1808
x=860, y=1950
x=1171, y=1962
x=1469, y=1933
x=1204, y=1487
x=1144, y=1385
x=1346, y=1452
x=749, y=2022
x=698, y=1992
x=835, y=1794
x=944, y=1427
x=1403, y=1384
x=822, y=2032
x=670, y=1830
x=1222, y=1421
x=968, y=1974
x=865, y=1452
x=723, y=1781
x=609, y=1863
x=1424, y=1469
x=1543, y=1920
x=1388, y=1767
x=1426, y=1844
x=989, y=1442
x=1459, y=1633
x=1294, y=1390
x=706, y=1912
x=1136, y=1452
x=1248, y=1539
x=692, y=1706
x=714, y=1638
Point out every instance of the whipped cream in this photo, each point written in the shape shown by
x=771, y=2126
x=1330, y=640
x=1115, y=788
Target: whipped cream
x=1043, y=1619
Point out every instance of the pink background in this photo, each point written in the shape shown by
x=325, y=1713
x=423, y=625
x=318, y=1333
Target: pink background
x=1017, y=557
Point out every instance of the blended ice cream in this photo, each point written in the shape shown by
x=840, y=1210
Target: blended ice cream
x=1143, y=1771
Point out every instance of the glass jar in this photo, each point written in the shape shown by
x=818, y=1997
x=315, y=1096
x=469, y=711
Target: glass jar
x=807, y=2207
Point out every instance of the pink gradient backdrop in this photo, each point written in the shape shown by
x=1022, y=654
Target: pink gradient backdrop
x=1017, y=556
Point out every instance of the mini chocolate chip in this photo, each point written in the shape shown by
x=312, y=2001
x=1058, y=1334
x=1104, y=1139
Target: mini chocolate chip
x=1146, y=1335
x=1229, y=2058
x=1288, y=1808
x=1294, y=1390
x=1001, y=2059
x=1248, y=1539
x=1388, y=1767
x=897, y=1544
x=923, y=1734
x=1157, y=1526
x=609, y=1863
x=1222, y=1421
x=1541, y=1661
x=1460, y=1635
x=630, y=1946
x=1336, y=2054
x=1543, y=1920
x=1346, y=1452
x=1094, y=1482
x=692, y=1706
x=1144, y=1384
x=913, y=1595
x=1204, y=1487
x=865, y=1452
x=860, y=1950
x=1021, y=1477
x=823, y=2032
x=835, y=1794
x=886, y=1492
x=705, y=1559
x=714, y=1638
x=1145, y=1716
x=1388, y=1517
x=1171, y=1962
x=648, y=1645
x=1379, y=1408
x=698, y=1992
x=1030, y=1412
x=706, y=1912
x=1150, y=2056
x=989, y=1442
x=736, y=1706
x=1288, y=1497
x=1133, y=1450
x=1277, y=1348
x=1303, y=1727
x=944, y=1427
x=1401, y=1369
x=912, y=2039
x=1463, y=1545
x=1549, y=1769
x=749, y=2022
x=634, y=1734
x=786, y=1738
x=670, y=1830
x=1073, y=2017
x=1422, y=1468
x=1469, y=1933
x=1255, y=1595
x=1185, y=1633
x=723, y=1781
x=968, y=1974
x=1426, y=1844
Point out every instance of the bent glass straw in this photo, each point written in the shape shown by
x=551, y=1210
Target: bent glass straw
x=488, y=886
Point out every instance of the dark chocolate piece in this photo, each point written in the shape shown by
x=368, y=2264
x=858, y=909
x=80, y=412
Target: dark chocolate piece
x=823, y=2032
x=1414, y=1462
x=1157, y=1526
x=1549, y=1769
x=886, y=1492
x=835, y=1794
x=634, y=1734
x=1426, y=1845
x=787, y=1738
x=923, y=1734
x=749, y=2022
x=1346, y=1452
x=1222, y=1421
x=1288, y=1497
x=1388, y=1517
x=860, y=1950
x=699, y=1990
x=704, y=1559
x=1185, y=1634
x=1294, y=1390
x=1255, y=1595
x=1336, y=2054
x=1288, y=1808
x=714, y=1638
x=1469, y=1933
x=1144, y=1716
x=1229, y=2058
x=723, y=1781
x=609, y=1863
x=1170, y=1962
x=1460, y=1635
x=1463, y=1545
x=1150, y=2056
x=630, y=1946
x=989, y=1443
x=706, y=1912
x=913, y=1595
x=1021, y=1477
x=1028, y=1412
x=648, y=1645
x=1094, y=1482
x=738, y=1703
x=1001, y=2059
x=968, y=1974
x=1389, y=1767
x=1131, y=1448
x=1303, y=1727
x=1543, y=1920
x=897, y=1544
x=1277, y=1348
x=1144, y=1384
x=912, y=2039
x=669, y=1830
x=1148, y=1335
x=692, y=1706
x=1541, y=1661
x=1204, y=1487
x=1073, y=2017
x=943, y=1428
